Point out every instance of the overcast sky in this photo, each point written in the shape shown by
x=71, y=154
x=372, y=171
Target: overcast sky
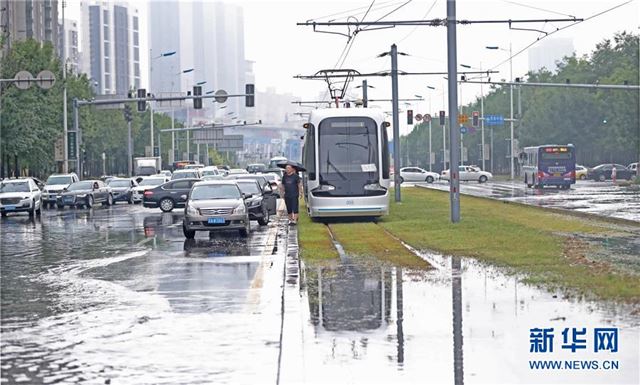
x=281, y=49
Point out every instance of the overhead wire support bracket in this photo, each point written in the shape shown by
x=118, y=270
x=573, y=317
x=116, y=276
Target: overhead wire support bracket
x=428, y=23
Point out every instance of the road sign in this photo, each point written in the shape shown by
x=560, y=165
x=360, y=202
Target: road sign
x=462, y=118
x=221, y=96
x=494, y=120
x=23, y=80
x=463, y=130
x=71, y=145
x=427, y=117
x=45, y=79
x=156, y=151
x=169, y=103
x=59, y=150
x=418, y=117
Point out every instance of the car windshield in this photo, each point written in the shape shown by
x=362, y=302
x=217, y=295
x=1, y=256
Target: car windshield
x=59, y=179
x=216, y=191
x=119, y=183
x=85, y=185
x=151, y=182
x=209, y=172
x=249, y=187
x=14, y=187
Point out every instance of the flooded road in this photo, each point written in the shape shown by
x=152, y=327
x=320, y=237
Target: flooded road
x=118, y=296
x=601, y=198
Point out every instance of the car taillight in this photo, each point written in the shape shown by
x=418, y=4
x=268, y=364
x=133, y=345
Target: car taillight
x=148, y=193
x=540, y=174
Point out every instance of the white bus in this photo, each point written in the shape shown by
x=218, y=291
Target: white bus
x=346, y=154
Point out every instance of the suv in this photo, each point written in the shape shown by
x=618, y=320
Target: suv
x=54, y=186
x=215, y=205
x=20, y=195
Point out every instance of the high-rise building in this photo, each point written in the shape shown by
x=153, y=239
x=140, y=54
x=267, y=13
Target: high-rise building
x=549, y=52
x=207, y=37
x=69, y=42
x=111, y=46
x=29, y=19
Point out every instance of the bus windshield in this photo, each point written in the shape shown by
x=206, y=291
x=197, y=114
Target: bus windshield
x=348, y=145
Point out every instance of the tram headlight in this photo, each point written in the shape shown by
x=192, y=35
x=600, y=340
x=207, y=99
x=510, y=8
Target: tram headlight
x=324, y=188
x=374, y=187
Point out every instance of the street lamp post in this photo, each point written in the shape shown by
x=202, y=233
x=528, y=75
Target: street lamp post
x=482, y=152
x=431, y=88
x=151, y=59
x=173, y=135
x=510, y=102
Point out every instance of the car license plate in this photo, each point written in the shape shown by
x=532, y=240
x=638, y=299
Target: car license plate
x=68, y=199
x=10, y=207
x=215, y=220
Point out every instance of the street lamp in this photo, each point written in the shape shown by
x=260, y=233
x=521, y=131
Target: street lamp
x=151, y=59
x=510, y=99
x=481, y=115
x=430, y=162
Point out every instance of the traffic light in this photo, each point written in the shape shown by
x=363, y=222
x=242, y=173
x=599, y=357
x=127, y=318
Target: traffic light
x=409, y=116
x=442, y=122
x=142, y=104
x=475, y=119
x=249, y=90
x=197, y=102
x=127, y=113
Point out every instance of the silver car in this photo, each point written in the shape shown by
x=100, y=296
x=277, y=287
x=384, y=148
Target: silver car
x=215, y=205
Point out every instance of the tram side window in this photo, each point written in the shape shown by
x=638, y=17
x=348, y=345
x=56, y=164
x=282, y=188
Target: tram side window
x=310, y=153
x=385, y=154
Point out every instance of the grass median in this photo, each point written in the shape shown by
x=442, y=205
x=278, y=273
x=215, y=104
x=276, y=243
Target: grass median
x=530, y=240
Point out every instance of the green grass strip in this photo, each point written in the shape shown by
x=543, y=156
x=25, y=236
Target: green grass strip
x=528, y=239
x=314, y=239
x=366, y=239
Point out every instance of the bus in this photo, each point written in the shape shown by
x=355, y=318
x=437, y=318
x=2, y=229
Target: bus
x=346, y=155
x=549, y=165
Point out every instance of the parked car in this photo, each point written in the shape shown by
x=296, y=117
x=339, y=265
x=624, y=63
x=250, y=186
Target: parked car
x=209, y=170
x=235, y=171
x=215, y=205
x=18, y=195
x=581, y=172
x=634, y=168
x=603, y=172
x=186, y=173
x=417, y=174
x=169, y=195
x=54, y=186
x=262, y=203
x=124, y=190
x=86, y=193
x=469, y=173
x=256, y=168
x=149, y=182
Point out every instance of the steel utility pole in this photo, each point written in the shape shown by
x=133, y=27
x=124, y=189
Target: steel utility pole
x=129, y=149
x=396, y=121
x=454, y=134
x=482, y=154
x=365, y=97
x=511, y=107
x=65, y=162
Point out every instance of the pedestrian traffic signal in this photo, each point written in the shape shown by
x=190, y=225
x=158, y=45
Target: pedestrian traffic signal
x=475, y=120
x=197, y=102
x=442, y=122
x=249, y=90
x=127, y=113
x=409, y=116
x=142, y=104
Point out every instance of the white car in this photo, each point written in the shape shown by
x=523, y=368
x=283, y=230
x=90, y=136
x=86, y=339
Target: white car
x=149, y=182
x=209, y=170
x=634, y=168
x=469, y=173
x=54, y=186
x=20, y=195
x=186, y=173
x=166, y=173
x=416, y=174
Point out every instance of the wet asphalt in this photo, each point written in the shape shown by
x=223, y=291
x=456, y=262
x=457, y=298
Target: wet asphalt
x=600, y=198
x=116, y=295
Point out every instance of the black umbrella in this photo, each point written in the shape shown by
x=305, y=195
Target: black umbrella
x=297, y=165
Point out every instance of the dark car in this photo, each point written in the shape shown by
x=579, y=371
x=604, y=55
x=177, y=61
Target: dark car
x=123, y=190
x=262, y=181
x=256, y=168
x=603, y=172
x=85, y=193
x=262, y=200
x=169, y=195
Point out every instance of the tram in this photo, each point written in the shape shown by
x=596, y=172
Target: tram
x=346, y=154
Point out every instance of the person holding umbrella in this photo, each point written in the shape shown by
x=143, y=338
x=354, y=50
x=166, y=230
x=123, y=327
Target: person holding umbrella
x=291, y=188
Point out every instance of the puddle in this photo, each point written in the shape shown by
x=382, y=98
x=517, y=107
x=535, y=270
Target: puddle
x=622, y=252
x=461, y=323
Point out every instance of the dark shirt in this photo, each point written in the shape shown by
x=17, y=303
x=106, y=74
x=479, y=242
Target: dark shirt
x=290, y=183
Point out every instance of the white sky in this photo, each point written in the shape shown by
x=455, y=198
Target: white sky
x=281, y=49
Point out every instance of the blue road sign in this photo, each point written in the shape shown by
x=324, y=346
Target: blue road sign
x=494, y=120
x=463, y=130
